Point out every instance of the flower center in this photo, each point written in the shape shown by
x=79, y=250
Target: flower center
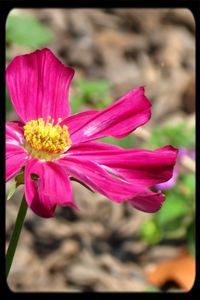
x=46, y=140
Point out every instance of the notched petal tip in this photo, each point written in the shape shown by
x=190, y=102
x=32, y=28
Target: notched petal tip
x=170, y=148
x=49, y=52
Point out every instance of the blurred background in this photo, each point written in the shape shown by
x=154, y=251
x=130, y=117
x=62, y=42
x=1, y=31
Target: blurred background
x=106, y=246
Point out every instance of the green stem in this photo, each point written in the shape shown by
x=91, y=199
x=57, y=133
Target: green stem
x=15, y=235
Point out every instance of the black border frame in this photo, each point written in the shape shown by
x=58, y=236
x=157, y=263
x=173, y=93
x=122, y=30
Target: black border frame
x=5, y=7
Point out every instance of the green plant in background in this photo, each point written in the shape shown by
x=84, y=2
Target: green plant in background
x=176, y=219
x=95, y=94
x=178, y=136
x=8, y=103
x=26, y=31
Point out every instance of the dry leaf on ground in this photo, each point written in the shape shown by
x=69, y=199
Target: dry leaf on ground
x=181, y=270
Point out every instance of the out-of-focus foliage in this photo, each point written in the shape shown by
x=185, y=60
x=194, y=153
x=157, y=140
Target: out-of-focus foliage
x=178, y=136
x=152, y=289
x=17, y=181
x=191, y=238
x=8, y=103
x=26, y=31
x=125, y=142
x=95, y=94
x=176, y=219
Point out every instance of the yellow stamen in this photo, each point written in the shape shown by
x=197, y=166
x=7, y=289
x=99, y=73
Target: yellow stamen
x=45, y=139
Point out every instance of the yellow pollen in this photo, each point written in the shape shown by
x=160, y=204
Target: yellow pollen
x=46, y=138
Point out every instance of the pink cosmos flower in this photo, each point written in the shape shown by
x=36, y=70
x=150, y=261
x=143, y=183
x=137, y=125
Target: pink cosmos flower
x=55, y=146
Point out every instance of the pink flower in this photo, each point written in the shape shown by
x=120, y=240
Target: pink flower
x=55, y=146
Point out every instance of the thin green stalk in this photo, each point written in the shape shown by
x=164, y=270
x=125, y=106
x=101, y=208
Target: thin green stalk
x=15, y=235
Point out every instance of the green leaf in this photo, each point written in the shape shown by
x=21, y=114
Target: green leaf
x=173, y=208
x=126, y=142
x=93, y=93
x=188, y=181
x=13, y=188
x=150, y=232
x=19, y=179
x=34, y=176
x=27, y=31
x=178, y=136
x=9, y=106
x=191, y=238
x=152, y=289
x=76, y=104
x=8, y=56
x=94, y=87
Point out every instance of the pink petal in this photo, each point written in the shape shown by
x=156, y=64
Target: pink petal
x=77, y=121
x=94, y=149
x=118, y=119
x=15, y=159
x=50, y=189
x=169, y=183
x=121, y=174
x=95, y=176
x=16, y=155
x=148, y=201
x=141, y=167
x=38, y=84
x=14, y=132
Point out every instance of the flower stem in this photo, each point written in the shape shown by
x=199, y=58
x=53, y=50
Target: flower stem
x=15, y=235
